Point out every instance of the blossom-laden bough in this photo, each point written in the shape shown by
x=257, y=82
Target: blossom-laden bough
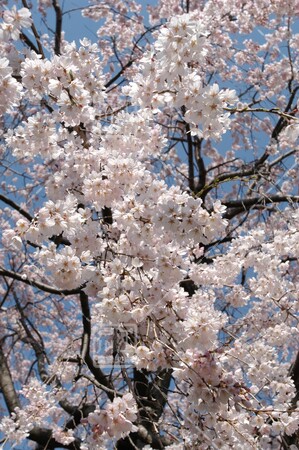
x=150, y=238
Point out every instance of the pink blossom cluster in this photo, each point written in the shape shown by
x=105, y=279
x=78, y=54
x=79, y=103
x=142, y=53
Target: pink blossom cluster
x=11, y=90
x=41, y=404
x=170, y=75
x=13, y=21
x=116, y=420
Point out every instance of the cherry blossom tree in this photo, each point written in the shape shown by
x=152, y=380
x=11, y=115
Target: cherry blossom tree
x=150, y=225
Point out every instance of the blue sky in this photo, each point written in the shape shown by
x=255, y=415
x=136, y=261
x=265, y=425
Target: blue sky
x=74, y=25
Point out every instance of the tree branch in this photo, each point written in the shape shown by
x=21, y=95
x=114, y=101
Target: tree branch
x=43, y=437
x=85, y=348
x=15, y=206
x=190, y=154
x=35, y=33
x=41, y=286
x=38, y=347
x=6, y=384
x=242, y=205
x=58, y=28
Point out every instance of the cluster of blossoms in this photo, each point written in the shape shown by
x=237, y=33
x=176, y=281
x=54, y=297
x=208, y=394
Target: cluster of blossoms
x=171, y=75
x=13, y=21
x=11, y=90
x=116, y=419
x=41, y=403
x=71, y=82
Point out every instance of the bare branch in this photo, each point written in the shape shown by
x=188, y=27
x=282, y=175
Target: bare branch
x=85, y=348
x=242, y=205
x=6, y=384
x=41, y=286
x=15, y=206
x=35, y=33
x=58, y=28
